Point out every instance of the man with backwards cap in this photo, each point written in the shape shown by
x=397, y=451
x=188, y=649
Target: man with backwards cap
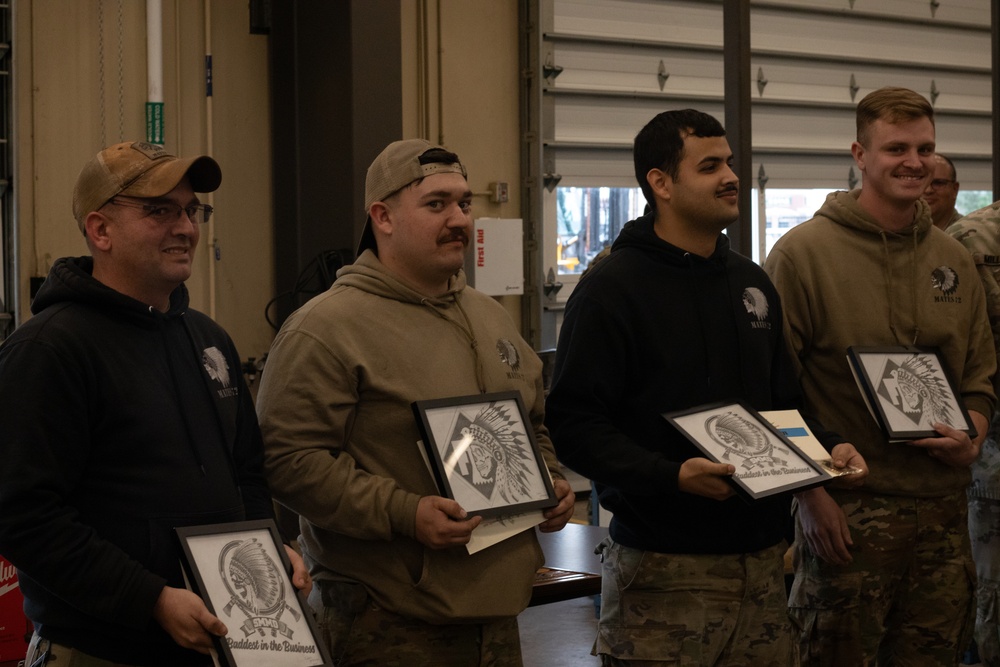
x=124, y=416
x=394, y=581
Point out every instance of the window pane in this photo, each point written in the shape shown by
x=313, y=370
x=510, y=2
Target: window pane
x=589, y=219
x=972, y=200
x=786, y=208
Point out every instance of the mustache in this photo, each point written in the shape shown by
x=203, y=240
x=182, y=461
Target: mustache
x=728, y=189
x=456, y=235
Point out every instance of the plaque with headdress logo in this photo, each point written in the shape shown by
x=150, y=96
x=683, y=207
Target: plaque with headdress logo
x=241, y=571
x=484, y=454
x=907, y=390
x=767, y=463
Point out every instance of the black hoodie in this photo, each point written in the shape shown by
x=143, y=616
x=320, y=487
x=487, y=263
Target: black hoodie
x=654, y=329
x=119, y=423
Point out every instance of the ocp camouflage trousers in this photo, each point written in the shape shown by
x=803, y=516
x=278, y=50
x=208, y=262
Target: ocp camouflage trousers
x=906, y=597
x=361, y=634
x=683, y=609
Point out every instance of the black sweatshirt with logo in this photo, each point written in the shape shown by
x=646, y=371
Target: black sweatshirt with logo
x=654, y=329
x=119, y=423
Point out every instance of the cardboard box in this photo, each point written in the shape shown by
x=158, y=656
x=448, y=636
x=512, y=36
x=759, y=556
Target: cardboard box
x=494, y=259
x=15, y=629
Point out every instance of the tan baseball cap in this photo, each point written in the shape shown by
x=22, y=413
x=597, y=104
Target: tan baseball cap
x=138, y=169
x=397, y=166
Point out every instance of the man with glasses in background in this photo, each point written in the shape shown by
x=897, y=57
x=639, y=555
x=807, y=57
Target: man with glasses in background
x=941, y=192
x=124, y=416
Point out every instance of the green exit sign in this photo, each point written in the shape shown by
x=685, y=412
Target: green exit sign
x=154, y=122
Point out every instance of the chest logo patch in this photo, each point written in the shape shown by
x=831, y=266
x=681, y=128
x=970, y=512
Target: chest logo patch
x=215, y=364
x=508, y=354
x=756, y=304
x=945, y=279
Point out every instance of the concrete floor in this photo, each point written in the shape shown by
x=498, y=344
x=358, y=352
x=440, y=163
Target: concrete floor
x=559, y=634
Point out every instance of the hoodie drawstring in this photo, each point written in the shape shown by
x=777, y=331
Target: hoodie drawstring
x=704, y=337
x=887, y=272
x=469, y=333
x=179, y=392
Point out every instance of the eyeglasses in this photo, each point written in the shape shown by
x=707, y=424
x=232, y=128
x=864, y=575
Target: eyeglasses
x=939, y=183
x=167, y=213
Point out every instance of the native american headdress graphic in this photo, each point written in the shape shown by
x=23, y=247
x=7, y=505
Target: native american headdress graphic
x=755, y=302
x=917, y=390
x=215, y=363
x=255, y=585
x=945, y=279
x=251, y=578
x=496, y=453
x=744, y=439
x=508, y=354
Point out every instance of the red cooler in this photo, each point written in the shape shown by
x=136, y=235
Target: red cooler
x=15, y=629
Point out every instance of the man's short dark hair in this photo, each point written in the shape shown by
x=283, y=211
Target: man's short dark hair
x=660, y=144
x=438, y=156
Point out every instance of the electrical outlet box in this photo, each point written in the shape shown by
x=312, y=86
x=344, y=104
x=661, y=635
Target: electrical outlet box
x=501, y=192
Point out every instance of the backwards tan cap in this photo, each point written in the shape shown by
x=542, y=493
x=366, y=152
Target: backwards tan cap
x=138, y=169
x=397, y=166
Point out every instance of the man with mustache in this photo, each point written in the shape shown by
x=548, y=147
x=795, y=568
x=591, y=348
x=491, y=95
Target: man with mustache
x=674, y=319
x=394, y=581
x=884, y=573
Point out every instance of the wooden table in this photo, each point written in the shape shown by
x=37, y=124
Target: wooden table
x=572, y=569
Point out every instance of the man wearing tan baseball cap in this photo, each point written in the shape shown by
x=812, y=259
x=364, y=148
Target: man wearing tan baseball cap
x=138, y=169
x=125, y=415
x=395, y=168
x=395, y=582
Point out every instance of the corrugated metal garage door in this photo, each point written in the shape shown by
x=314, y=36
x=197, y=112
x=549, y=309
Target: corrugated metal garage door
x=603, y=68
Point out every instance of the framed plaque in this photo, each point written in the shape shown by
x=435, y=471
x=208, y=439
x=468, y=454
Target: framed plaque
x=483, y=453
x=241, y=571
x=767, y=463
x=907, y=389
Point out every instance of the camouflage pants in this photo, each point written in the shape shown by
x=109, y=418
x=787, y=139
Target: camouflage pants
x=682, y=609
x=359, y=633
x=984, y=529
x=906, y=597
